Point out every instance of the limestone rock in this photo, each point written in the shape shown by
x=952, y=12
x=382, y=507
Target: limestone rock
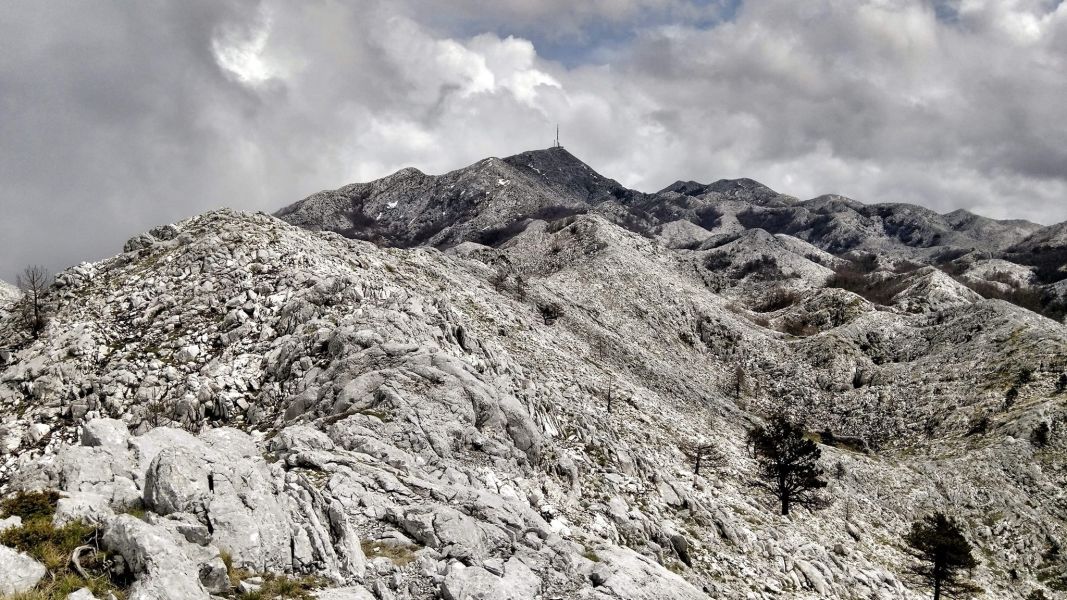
x=345, y=593
x=622, y=573
x=18, y=572
x=165, y=568
x=110, y=433
x=87, y=507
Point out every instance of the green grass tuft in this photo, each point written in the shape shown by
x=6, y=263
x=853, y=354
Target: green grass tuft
x=54, y=546
x=30, y=505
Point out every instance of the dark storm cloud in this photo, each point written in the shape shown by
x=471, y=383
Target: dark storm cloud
x=119, y=116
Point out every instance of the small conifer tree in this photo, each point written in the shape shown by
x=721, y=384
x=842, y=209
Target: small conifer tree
x=943, y=556
x=788, y=464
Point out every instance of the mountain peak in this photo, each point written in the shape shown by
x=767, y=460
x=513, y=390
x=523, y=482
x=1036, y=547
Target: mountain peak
x=567, y=174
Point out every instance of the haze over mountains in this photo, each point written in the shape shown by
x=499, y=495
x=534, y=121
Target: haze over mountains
x=489, y=384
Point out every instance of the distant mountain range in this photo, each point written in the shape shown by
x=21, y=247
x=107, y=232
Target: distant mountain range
x=493, y=198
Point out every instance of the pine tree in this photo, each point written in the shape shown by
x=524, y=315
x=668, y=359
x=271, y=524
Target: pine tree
x=788, y=464
x=943, y=555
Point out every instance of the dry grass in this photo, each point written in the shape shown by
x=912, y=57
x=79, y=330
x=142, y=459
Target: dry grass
x=400, y=554
x=273, y=586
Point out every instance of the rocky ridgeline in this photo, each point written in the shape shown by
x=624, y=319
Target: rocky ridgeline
x=236, y=395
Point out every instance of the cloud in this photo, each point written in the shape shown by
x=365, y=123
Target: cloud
x=119, y=116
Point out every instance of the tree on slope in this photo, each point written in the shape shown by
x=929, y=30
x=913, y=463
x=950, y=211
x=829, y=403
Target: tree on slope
x=943, y=555
x=34, y=281
x=788, y=464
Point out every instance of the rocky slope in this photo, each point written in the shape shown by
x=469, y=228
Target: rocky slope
x=235, y=392
x=8, y=295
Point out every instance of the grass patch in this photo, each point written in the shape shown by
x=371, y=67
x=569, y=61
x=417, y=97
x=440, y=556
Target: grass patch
x=273, y=586
x=675, y=567
x=284, y=586
x=54, y=548
x=30, y=505
x=400, y=554
x=381, y=415
x=140, y=513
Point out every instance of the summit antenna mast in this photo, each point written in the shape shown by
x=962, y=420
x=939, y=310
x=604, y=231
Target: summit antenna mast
x=557, y=145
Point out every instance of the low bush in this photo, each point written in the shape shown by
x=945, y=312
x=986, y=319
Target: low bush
x=763, y=267
x=717, y=261
x=798, y=327
x=826, y=436
x=30, y=506
x=1034, y=299
x=550, y=312
x=1039, y=436
x=879, y=290
x=906, y=266
x=1010, y=397
x=777, y=299
x=980, y=426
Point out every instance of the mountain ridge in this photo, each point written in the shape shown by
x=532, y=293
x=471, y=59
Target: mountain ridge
x=576, y=186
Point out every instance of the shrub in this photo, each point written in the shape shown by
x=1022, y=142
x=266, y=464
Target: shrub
x=717, y=261
x=283, y=586
x=1010, y=397
x=1046, y=260
x=497, y=236
x=1061, y=383
x=798, y=327
x=1039, y=436
x=50, y=545
x=980, y=426
x=1032, y=299
x=550, y=312
x=763, y=267
x=906, y=266
x=827, y=437
x=761, y=321
x=875, y=289
x=30, y=506
x=708, y=217
x=840, y=471
x=777, y=299
x=863, y=263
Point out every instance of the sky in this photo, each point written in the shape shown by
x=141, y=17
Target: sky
x=118, y=116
